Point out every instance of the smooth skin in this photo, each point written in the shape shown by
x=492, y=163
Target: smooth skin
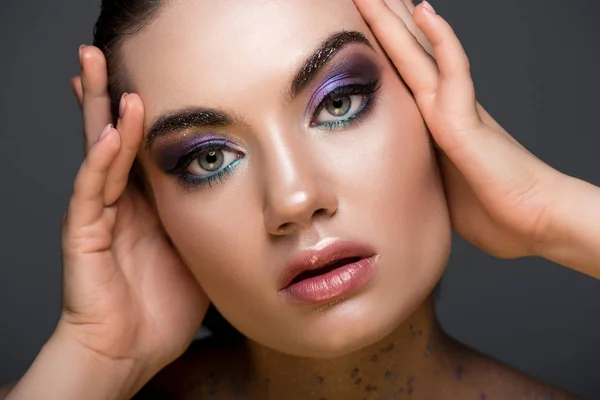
x=120, y=318
x=117, y=330
x=501, y=198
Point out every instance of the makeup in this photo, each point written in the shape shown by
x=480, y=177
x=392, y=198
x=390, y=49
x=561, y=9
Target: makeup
x=349, y=87
x=213, y=155
x=332, y=285
x=356, y=68
x=322, y=56
x=351, y=102
x=324, y=275
x=170, y=155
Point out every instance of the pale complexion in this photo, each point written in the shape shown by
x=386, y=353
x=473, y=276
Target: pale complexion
x=352, y=173
x=376, y=182
x=301, y=185
x=373, y=182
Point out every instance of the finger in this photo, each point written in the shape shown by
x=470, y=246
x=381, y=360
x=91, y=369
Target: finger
x=87, y=201
x=410, y=4
x=416, y=67
x=77, y=89
x=456, y=90
x=96, y=101
x=400, y=7
x=131, y=129
x=404, y=9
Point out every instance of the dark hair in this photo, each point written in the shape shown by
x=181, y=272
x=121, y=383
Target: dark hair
x=118, y=20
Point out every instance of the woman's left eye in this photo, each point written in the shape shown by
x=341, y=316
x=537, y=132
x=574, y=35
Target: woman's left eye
x=345, y=105
x=340, y=108
x=211, y=161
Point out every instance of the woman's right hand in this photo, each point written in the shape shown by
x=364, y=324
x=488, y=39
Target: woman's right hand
x=127, y=296
x=130, y=305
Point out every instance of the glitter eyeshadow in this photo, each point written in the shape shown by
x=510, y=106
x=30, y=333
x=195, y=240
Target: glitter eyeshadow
x=171, y=154
x=355, y=68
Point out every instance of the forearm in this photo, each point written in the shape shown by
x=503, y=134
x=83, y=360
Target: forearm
x=64, y=370
x=575, y=238
x=575, y=241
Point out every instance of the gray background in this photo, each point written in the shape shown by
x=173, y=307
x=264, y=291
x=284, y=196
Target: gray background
x=535, y=65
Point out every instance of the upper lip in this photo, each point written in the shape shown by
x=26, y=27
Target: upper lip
x=324, y=253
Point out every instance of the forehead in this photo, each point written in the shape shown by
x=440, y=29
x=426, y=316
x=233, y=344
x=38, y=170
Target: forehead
x=201, y=52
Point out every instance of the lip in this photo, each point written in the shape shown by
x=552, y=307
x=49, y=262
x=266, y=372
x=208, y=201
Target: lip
x=361, y=260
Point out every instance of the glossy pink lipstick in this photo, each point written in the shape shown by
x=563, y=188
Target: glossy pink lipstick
x=334, y=269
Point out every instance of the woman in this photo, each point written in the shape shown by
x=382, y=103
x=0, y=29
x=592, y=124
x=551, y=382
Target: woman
x=287, y=176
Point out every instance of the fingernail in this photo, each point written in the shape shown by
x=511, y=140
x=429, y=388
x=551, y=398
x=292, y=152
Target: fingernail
x=428, y=7
x=123, y=105
x=105, y=132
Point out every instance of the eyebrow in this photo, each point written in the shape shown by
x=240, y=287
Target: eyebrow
x=321, y=57
x=194, y=117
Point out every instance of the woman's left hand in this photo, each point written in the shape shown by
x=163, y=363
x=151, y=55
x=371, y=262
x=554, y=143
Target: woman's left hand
x=501, y=198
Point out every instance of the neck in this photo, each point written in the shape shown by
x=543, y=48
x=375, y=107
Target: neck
x=404, y=363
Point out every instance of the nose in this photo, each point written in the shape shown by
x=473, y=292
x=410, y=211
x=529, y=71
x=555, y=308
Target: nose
x=298, y=191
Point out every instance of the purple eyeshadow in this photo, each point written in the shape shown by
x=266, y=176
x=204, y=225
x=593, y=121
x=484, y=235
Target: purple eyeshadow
x=170, y=155
x=356, y=68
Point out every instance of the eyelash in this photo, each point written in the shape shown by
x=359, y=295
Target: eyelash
x=191, y=182
x=367, y=90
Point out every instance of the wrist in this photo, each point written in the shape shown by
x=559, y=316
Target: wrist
x=573, y=237
x=65, y=369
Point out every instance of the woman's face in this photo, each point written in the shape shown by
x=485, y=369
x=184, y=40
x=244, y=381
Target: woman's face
x=279, y=135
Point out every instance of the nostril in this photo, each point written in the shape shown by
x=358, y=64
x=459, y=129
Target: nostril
x=287, y=228
x=320, y=212
x=284, y=227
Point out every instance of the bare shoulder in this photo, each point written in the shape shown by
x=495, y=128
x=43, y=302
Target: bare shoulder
x=209, y=369
x=488, y=379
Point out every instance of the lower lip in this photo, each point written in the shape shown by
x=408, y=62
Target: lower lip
x=332, y=285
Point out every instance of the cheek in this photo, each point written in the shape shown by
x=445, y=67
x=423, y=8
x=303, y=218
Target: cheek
x=409, y=182
x=413, y=208
x=392, y=167
x=215, y=232
x=398, y=198
x=389, y=191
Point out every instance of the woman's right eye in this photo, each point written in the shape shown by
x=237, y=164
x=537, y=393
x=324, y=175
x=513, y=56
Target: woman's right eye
x=211, y=161
x=341, y=108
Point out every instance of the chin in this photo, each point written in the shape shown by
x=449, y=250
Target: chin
x=345, y=327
